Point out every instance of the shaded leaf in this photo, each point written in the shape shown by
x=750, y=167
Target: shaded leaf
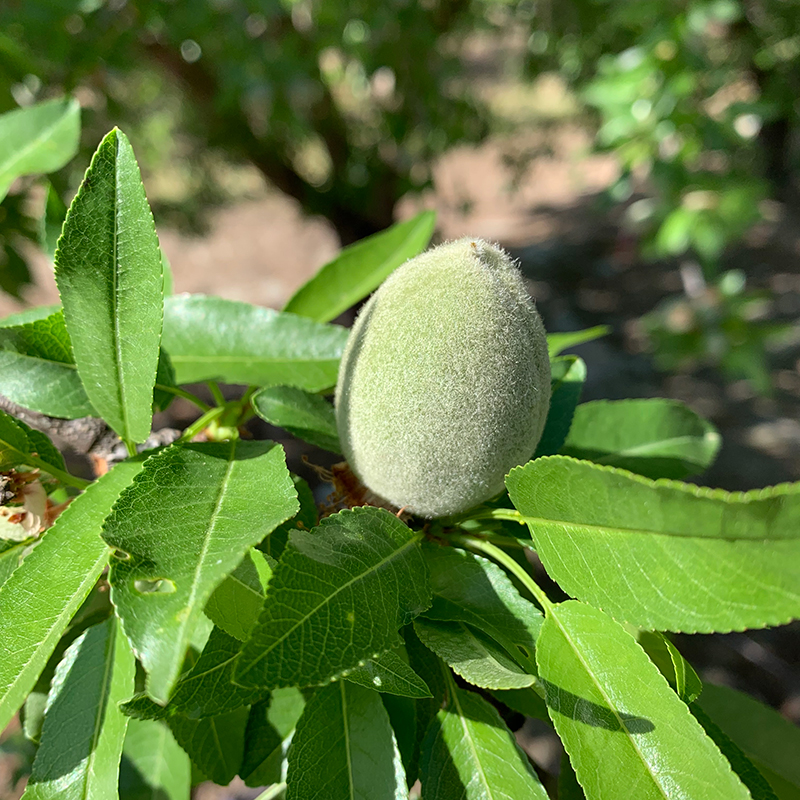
x=557, y=343
x=43, y=593
x=361, y=268
x=52, y=221
x=627, y=733
x=472, y=655
x=655, y=437
x=305, y=519
x=567, y=376
x=360, y=573
x=83, y=731
x=469, y=754
x=767, y=739
x=154, y=767
x=38, y=139
x=20, y=444
x=671, y=664
x=389, y=674
x=37, y=369
x=307, y=416
x=167, y=562
x=108, y=271
x=346, y=728
x=215, y=744
x=666, y=551
x=209, y=338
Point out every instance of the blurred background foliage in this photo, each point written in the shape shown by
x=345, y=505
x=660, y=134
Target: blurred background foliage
x=346, y=107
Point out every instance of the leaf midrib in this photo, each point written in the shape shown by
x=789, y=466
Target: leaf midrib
x=468, y=736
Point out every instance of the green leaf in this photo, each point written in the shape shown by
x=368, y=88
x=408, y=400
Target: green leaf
x=215, y=744
x=269, y=727
x=360, y=573
x=526, y=701
x=469, y=588
x=29, y=315
x=769, y=740
x=52, y=222
x=305, y=519
x=671, y=664
x=205, y=690
x=625, y=730
x=656, y=438
x=168, y=562
x=38, y=139
x=11, y=554
x=108, y=271
x=236, y=603
x=568, y=786
x=45, y=591
x=307, y=416
x=567, y=376
x=469, y=754
x=557, y=343
x=165, y=376
x=154, y=767
x=474, y=656
x=361, y=268
x=83, y=731
x=37, y=369
x=209, y=338
x=389, y=674
x=20, y=444
x=345, y=728
x=666, y=551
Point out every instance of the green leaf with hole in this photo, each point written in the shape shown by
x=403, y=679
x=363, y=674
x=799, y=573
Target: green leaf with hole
x=627, y=733
x=235, y=604
x=108, y=271
x=38, y=139
x=557, y=343
x=44, y=592
x=567, y=376
x=361, y=268
x=654, y=437
x=37, y=369
x=345, y=728
x=664, y=555
x=154, y=767
x=167, y=563
x=307, y=416
x=360, y=573
x=472, y=654
x=389, y=674
x=469, y=754
x=209, y=338
x=83, y=731
x=215, y=744
x=769, y=740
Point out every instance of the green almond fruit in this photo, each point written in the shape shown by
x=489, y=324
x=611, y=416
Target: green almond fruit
x=444, y=384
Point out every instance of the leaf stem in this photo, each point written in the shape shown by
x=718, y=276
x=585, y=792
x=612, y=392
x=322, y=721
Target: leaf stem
x=130, y=447
x=276, y=790
x=64, y=477
x=503, y=558
x=184, y=394
x=510, y=514
x=216, y=393
x=201, y=423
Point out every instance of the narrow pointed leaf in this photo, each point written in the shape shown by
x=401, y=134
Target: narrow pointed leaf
x=360, y=573
x=671, y=664
x=654, y=437
x=55, y=213
x=344, y=748
x=473, y=655
x=209, y=338
x=215, y=744
x=361, y=268
x=627, y=733
x=469, y=754
x=108, y=271
x=44, y=592
x=269, y=727
x=37, y=369
x=83, y=732
x=168, y=563
x=769, y=740
x=154, y=767
x=19, y=444
x=38, y=139
x=557, y=343
x=661, y=554
x=389, y=674
x=567, y=376
x=235, y=604
x=307, y=416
